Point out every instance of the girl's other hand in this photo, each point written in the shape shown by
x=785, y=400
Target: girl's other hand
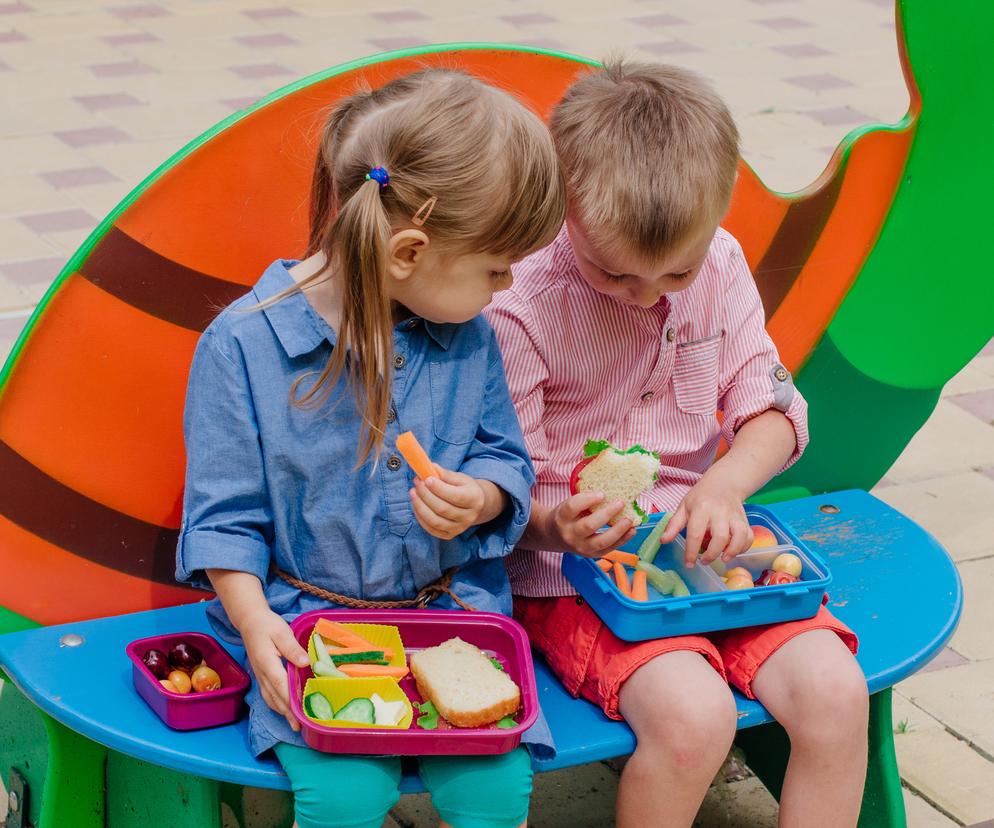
x=575, y=521
x=268, y=639
x=451, y=503
x=710, y=511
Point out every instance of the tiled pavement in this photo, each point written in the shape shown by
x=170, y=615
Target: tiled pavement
x=94, y=96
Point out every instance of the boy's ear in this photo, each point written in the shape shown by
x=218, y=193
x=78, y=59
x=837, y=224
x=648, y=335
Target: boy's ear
x=405, y=252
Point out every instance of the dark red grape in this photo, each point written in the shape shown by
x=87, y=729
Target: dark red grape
x=185, y=657
x=157, y=662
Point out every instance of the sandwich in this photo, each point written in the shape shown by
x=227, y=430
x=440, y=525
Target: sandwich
x=620, y=474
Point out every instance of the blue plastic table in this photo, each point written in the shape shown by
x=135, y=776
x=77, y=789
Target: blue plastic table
x=893, y=584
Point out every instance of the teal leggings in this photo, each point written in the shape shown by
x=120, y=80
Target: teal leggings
x=332, y=791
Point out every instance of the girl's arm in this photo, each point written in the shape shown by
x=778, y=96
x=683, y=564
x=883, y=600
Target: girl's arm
x=266, y=635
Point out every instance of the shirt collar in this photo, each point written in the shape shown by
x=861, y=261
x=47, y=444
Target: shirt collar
x=298, y=326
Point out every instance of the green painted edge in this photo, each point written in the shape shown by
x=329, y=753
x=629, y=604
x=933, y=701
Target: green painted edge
x=98, y=232
x=10, y=622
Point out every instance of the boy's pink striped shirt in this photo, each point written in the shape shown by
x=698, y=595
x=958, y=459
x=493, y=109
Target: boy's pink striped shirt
x=581, y=365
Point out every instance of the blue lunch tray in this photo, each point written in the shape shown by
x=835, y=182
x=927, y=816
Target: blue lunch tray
x=710, y=606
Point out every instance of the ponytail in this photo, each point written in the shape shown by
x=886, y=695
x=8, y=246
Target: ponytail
x=357, y=241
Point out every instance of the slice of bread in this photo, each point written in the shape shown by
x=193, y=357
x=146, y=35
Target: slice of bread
x=621, y=475
x=463, y=684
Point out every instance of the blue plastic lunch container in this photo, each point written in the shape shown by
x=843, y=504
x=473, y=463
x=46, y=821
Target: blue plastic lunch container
x=710, y=606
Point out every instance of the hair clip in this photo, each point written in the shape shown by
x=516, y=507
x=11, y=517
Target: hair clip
x=380, y=175
x=421, y=216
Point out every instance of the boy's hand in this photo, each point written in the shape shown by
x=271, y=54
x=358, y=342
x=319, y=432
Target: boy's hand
x=713, y=509
x=451, y=503
x=575, y=521
x=267, y=638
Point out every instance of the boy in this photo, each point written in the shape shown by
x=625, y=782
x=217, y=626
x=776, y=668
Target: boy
x=636, y=325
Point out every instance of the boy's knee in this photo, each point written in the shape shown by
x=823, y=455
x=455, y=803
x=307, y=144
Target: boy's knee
x=832, y=706
x=480, y=791
x=370, y=787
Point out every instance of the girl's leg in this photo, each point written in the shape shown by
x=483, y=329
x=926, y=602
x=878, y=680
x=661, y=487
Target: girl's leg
x=479, y=791
x=332, y=791
x=684, y=718
x=813, y=686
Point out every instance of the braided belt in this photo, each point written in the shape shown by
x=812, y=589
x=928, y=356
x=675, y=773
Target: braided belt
x=427, y=593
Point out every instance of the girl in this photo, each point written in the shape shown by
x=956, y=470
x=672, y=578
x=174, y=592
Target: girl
x=424, y=193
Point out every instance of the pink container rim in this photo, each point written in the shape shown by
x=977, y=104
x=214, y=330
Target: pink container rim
x=454, y=619
x=135, y=648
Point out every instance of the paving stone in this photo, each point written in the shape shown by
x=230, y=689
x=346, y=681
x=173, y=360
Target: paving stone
x=951, y=441
x=921, y=814
x=962, y=698
x=956, y=509
x=971, y=378
x=947, y=772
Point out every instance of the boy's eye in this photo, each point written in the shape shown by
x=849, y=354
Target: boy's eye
x=679, y=277
x=614, y=277
x=499, y=274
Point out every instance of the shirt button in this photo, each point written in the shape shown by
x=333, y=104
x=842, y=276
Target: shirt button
x=411, y=325
x=579, y=601
x=781, y=374
x=391, y=416
x=393, y=463
x=648, y=395
x=399, y=361
x=670, y=335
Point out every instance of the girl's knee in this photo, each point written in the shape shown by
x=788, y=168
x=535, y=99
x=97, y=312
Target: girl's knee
x=830, y=706
x=480, y=791
x=340, y=791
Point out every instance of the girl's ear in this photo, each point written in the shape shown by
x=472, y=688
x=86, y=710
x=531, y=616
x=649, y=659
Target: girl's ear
x=405, y=252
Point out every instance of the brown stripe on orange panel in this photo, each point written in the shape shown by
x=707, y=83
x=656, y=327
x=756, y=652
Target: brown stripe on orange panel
x=794, y=241
x=159, y=286
x=62, y=516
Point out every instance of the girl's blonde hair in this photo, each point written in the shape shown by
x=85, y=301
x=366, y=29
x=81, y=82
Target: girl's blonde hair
x=489, y=163
x=650, y=154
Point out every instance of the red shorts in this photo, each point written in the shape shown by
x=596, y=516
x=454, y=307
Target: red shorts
x=592, y=662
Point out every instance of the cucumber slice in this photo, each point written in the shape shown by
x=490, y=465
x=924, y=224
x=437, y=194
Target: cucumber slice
x=322, y=668
x=321, y=649
x=370, y=657
x=357, y=710
x=317, y=706
x=650, y=546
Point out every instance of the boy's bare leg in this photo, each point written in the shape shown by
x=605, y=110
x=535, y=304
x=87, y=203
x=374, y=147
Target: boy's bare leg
x=683, y=715
x=813, y=686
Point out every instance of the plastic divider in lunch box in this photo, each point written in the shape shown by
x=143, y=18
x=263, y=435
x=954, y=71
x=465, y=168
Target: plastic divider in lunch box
x=710, y=606
x=496, y=635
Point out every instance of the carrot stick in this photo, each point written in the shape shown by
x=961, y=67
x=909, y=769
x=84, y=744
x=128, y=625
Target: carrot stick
x=366, y=670
x=369, y=648
x=617, y=556
x=342, y=636
x=621, y=578
x=607, y=566
x=408, y=445
x=640, y=586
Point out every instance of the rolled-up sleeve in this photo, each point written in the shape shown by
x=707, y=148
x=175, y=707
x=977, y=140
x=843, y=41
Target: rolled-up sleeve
x=753, y=379
x=498, y=454
x=227, y=520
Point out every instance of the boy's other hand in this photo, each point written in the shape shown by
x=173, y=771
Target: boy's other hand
x=713, y=511
x=575, y=521
x=451, y=503
x=268, y=639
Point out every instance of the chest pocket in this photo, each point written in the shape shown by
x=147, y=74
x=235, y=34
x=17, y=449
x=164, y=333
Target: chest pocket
x=695, y=375
x=456, y=399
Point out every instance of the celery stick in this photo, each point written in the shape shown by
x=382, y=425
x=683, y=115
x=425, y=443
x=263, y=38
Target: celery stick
x=650, y=546
x=663, y=582
x=321, y=650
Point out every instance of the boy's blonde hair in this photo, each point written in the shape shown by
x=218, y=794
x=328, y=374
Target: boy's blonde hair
x=649, y=153
x=489, y=163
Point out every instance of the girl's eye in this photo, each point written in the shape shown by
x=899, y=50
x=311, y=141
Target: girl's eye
x=499, y=274
x=614, y=277
x=679, y=277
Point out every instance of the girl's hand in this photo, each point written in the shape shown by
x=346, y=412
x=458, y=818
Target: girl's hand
x=711, y=511
x=451, y=503
x=267, y=637
x=573, y=524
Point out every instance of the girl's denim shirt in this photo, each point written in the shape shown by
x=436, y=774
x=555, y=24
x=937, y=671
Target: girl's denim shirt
x=270, y=482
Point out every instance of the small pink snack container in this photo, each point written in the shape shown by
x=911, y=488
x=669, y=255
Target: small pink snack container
x=191, y=711
x=497, y=635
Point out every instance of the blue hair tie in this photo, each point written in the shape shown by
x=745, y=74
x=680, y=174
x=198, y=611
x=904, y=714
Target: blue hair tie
x=380, y=175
